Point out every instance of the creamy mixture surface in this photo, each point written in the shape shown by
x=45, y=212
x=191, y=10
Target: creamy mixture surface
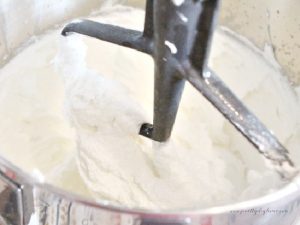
x=71, y=109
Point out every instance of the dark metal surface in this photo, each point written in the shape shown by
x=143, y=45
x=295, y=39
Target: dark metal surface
x=114, y=34
x=162, y=222
x=173, y=40
x=169, y=36
x=212, y=87
x=10, y=202
x=16, y=198
x=179, y=39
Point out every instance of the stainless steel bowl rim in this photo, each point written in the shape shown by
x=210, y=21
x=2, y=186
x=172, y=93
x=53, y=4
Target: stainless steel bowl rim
x=290, y=191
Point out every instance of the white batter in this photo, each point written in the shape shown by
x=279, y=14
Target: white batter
x=71, y=109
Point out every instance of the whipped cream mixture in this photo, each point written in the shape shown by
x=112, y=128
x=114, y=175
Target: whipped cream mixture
x=71, y=109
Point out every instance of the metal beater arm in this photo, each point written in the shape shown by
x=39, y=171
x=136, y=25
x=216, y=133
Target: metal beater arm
x=113, y=34
x=178, y=35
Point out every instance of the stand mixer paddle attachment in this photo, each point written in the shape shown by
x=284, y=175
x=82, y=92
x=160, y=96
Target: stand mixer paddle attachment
x=178, y=34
